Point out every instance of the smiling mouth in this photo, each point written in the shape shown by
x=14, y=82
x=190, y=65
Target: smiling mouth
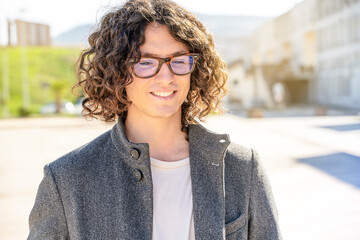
x=162, y=94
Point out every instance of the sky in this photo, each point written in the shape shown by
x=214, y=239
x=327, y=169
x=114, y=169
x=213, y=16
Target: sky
x=63, y=15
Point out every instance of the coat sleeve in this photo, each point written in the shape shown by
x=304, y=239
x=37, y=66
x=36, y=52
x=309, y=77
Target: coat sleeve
x=263, y=220
x=47, y=218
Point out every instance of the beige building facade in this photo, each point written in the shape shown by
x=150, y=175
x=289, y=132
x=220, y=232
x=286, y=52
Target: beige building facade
x=285, y=48
x=22, y=33
x=338, y=72
x=313, y=51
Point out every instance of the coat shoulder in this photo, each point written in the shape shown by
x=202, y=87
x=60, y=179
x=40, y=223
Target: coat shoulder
x=238, y=154
x=87, y=155
x=239, y=161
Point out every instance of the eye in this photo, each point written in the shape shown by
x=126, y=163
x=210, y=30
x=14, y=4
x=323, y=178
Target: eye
x=179, y=61
x=146, y=63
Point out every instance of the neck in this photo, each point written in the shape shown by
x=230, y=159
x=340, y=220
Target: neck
x=166, y=140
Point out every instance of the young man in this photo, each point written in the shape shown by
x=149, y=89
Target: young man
x=158, y=174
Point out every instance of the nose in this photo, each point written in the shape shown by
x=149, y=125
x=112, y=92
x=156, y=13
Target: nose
x=164, y=76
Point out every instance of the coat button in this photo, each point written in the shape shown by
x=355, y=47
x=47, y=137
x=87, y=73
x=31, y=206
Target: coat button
x=134, y=153
x=137, y=174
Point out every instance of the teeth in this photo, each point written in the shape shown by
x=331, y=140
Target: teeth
x=163, y=94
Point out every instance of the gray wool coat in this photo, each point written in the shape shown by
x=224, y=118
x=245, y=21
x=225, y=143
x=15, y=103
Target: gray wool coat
x=103, y=190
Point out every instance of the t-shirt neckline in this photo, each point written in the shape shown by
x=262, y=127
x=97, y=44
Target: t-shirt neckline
x=169, y=165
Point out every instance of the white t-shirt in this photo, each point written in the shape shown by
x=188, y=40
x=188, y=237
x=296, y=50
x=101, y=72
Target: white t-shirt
x=173, y=207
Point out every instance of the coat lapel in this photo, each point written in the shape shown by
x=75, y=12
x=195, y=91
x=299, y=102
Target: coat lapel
x=207, y=151
x=136, y=220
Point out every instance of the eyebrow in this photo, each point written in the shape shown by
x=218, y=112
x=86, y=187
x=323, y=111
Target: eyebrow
x=148, y=54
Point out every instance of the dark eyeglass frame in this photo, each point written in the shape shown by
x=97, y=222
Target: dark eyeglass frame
x=167, y=61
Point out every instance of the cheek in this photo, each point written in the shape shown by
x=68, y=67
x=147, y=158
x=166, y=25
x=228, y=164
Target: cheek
x=187, y=84
x=130, y=91
x=135, y=87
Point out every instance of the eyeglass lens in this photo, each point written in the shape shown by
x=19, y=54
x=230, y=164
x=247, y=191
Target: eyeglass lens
x=179, y=65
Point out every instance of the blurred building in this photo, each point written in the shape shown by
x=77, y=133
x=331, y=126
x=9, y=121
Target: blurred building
x=312, y=51
x=21, y=33
x=338, y=48
x=249, y=87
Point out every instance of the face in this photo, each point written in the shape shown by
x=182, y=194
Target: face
x=162, y=95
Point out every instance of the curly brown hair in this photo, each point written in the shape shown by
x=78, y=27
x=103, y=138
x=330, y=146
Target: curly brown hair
x=104, y=68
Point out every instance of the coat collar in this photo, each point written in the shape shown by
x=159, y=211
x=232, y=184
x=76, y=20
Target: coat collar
x=207, y=151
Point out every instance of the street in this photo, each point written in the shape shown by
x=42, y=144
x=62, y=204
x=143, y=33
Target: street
x=313, y=164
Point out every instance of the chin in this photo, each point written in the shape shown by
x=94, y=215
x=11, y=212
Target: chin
x=166, y=112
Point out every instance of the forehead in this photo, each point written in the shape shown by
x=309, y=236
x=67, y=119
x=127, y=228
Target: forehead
x=160, y=43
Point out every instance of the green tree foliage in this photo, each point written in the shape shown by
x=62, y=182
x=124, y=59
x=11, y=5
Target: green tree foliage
x=51, y=75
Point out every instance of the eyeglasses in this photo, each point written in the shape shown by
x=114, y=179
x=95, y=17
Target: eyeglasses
x=179, y=65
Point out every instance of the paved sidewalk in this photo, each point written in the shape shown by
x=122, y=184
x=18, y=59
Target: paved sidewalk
x=313, y=164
